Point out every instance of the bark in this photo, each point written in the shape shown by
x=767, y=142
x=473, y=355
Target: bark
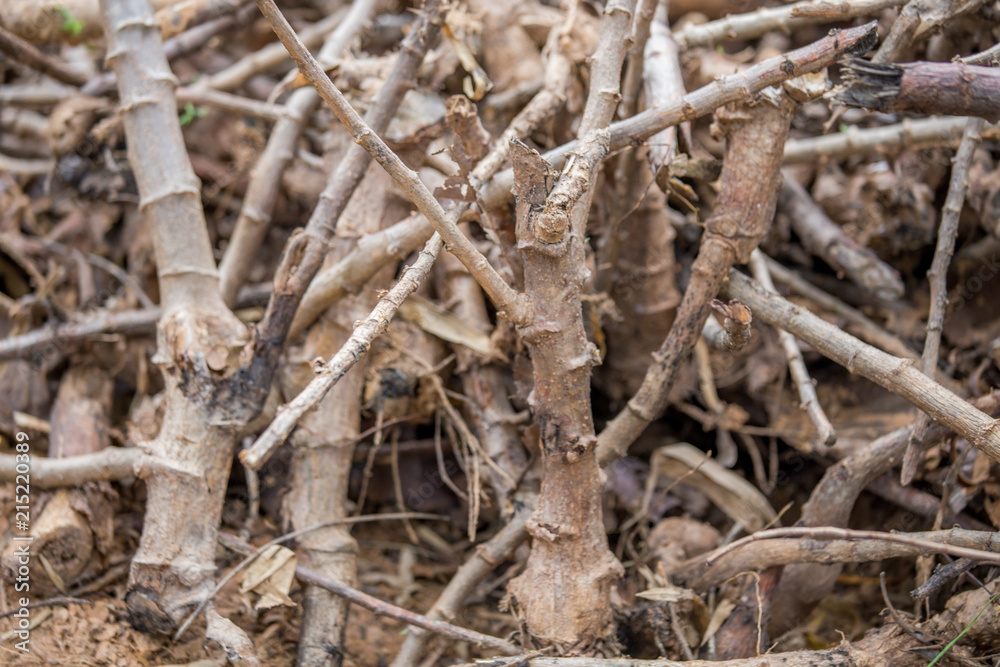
x=955, y=89
x=198, y=338
x=895, y=374
x=75, y=527
x=740, y=219
x=563, y=593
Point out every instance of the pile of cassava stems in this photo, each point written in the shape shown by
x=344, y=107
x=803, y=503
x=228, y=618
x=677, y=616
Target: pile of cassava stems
x=549, y=247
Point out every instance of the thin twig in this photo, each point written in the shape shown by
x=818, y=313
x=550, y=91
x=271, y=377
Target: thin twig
x=270, y=56
x=381, y=607
x=51, y=602
x=352, y=351
x=909, y=134
x=919, y=17
x=938, y=278
x=801, y=551
x=508, y=302
x=110, y=268
x=786, y=18
x=895, y=374
x=372, y=252
x=796, y=364
x=947, y=232
x=25, y=52
x=866, y=328
x=990, y=57
x=368, y=518
x=826, y=533
x=483, y=560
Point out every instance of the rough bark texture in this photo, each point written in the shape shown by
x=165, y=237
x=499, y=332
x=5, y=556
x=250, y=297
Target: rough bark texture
x=564, y=591
x=198, y=338
x=740, y=219
x=956, y=89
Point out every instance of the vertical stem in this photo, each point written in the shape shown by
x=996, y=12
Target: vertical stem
x=198, y=337
x=564, y=590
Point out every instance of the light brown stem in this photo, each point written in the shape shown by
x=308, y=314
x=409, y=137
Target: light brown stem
x=796, y=364
x=740, y=219
x=785, y=18
x=198, y=337
x=563, y=593
x=895, y=374
x=507, y=301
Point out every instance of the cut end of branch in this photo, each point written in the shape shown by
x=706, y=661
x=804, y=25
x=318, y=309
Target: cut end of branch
x=870, y=85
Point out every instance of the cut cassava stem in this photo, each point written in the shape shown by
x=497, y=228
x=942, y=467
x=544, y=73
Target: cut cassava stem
x=564, y=592
x=558, y=70
x=953, y=88
x=897, y=375
x=198, y=338
x=741, y=217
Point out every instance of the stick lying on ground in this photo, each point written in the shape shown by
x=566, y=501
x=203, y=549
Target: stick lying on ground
x=897, y=375
x=383, y=608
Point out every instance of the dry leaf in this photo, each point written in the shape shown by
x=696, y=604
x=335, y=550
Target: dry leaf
x=722, y=612
x=270, y=576
x=439, y=322
x=740, y=500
